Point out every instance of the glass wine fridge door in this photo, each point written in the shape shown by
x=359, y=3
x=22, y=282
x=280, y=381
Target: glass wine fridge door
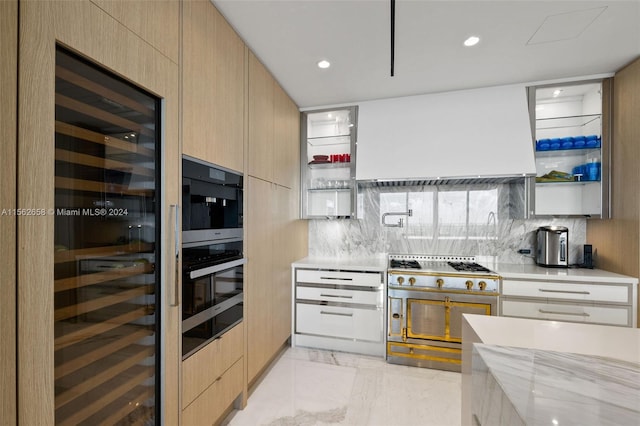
x=106, y=248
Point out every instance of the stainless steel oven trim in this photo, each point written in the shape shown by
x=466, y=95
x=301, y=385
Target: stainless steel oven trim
x=444, y=274
x=216, y=268
x=199, y=237
x=405, y=289
x=211, y=312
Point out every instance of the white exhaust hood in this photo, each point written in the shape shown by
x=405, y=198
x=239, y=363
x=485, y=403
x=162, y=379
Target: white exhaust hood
x=464, y=136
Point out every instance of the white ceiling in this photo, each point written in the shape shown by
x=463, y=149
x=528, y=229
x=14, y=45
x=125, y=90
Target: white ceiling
x=521, y=41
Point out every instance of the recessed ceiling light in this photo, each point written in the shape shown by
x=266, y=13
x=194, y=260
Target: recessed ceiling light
x=324, y=64
x=557, y=92
x=472, y=41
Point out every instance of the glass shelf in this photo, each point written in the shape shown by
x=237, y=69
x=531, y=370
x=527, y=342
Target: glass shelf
x=329, y=189
x=567, y=152
x=566, y=122
x=329, y=165
x=330, y=140
x=569, y=183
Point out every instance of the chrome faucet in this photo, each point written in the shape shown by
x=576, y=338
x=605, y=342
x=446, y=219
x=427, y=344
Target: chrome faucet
x=400, y=223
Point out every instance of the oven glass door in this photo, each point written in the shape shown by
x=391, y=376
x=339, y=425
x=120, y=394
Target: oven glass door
x=212, y=304
x=440, y=319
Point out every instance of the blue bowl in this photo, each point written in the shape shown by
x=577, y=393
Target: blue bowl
x=591, y=137
x=543, y=147
x=579, y=144
x=593, y=143
x=579, y=138
x=555, y=145
x=567, y=145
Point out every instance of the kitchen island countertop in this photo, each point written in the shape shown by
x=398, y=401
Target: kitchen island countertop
x=615, y=343
x=518, y=386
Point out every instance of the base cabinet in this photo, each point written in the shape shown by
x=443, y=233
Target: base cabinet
x=570, y=301
x=339, y=309
x=210, y=405
x=213, y=378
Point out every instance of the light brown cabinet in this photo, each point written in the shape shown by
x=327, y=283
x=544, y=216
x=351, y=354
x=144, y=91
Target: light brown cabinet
x=286, y=161
x=261, y=121
x=274, y=129
x=8, y=91
x=98, y=37
x=271, y=248
x=213, y=87
x=615, y=241
x=275, y=237
x=210, y=378
x=142, y=18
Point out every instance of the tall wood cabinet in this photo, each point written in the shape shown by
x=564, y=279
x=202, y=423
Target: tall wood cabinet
x=275, y=235
x=231, y=111
x=100, y=35
x=213, y=87
x=616, y=241
x=272, y=245
x=8, y=93
x=261, y=121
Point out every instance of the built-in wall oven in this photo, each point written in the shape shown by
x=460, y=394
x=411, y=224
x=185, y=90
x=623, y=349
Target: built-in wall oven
x=212, y=253
x=427, y=296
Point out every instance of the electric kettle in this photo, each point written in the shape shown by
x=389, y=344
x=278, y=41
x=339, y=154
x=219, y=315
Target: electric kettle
x=552, y=246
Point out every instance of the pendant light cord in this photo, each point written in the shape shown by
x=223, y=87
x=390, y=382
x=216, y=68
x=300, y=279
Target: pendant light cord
x=393, y=34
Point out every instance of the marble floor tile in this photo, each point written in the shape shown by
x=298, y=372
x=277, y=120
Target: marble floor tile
x=317, y=387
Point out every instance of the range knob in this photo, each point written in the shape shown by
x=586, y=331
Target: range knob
x=439, y=282
x=469, y=284
x=482, y=285
x=412, y=281
x=400, y=280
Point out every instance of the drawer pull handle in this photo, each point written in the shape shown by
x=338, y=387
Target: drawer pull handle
x=340, y=314
x=583, y=314
x=336, y=278
x=563, y=291
x=336, y=295
x=396, y=316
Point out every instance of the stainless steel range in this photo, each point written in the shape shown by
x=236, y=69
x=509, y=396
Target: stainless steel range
x=427, y=296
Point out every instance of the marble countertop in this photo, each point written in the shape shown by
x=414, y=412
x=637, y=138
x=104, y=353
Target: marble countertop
x=537, y=387
x=507, y=270
x=621, y=343
x=373, y=263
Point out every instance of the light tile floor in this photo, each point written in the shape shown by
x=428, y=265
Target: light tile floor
x=317, y=387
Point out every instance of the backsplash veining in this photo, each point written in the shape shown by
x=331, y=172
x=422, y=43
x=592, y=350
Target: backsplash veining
x=478, y=220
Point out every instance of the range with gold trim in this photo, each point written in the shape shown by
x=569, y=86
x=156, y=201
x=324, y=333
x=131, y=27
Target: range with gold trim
x=426, y=297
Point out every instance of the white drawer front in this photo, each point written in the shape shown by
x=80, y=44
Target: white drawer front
x=370, y=279
x=611, y=315
x=573, y=291
x=333, y=321
x=340, y=296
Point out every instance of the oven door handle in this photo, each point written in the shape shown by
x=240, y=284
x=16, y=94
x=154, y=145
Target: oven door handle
x=216, y=268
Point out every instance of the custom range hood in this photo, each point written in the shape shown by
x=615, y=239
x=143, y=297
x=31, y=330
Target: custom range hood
x=463, y=137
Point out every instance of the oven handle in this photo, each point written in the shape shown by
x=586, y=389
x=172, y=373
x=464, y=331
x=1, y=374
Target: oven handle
x=216, y=268
x=340, y=314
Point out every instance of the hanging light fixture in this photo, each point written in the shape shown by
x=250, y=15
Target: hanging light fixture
x=393, y=34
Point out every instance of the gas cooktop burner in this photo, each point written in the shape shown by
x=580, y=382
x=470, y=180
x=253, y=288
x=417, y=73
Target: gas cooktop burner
x=406, y=264
x=468, y=267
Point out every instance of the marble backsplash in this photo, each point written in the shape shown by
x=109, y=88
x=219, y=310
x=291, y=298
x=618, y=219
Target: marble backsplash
x=469, y=220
